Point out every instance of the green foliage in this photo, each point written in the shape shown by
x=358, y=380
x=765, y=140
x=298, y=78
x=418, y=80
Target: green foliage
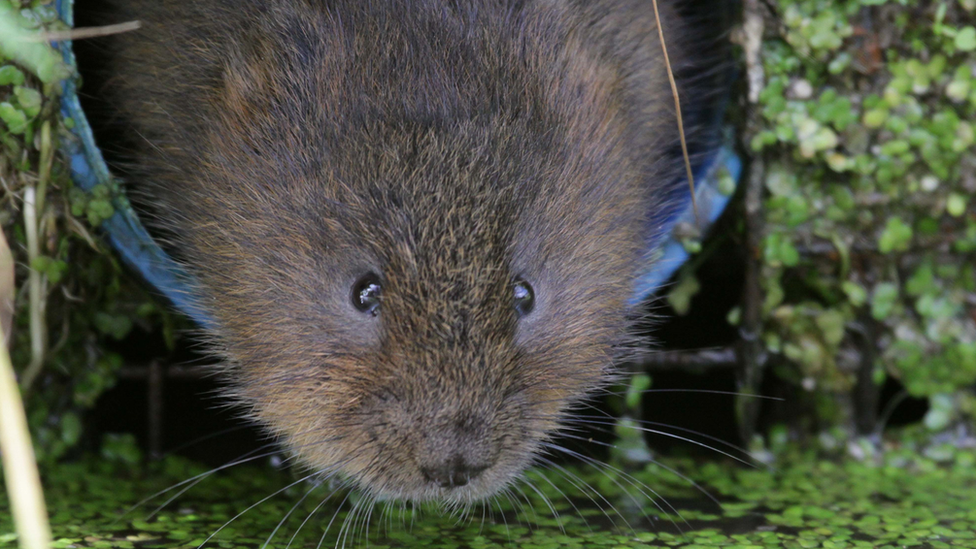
x=683, y=292
x=89, y=299
x=868, y=142
x=17, y=22
x=95, y=205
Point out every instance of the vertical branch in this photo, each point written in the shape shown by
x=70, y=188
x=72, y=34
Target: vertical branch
x=751, y=352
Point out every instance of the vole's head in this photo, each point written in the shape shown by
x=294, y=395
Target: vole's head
x=421, y=321
x=418, y=240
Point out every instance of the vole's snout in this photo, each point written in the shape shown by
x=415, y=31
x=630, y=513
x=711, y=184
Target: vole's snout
x=453, y=471
x=455, y=452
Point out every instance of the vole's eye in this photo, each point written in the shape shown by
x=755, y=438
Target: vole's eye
x=366, y=294
x=524, y=297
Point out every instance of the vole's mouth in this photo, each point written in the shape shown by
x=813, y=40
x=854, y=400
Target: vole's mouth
x=454, y=486
x=455, y=472
x=465, y=492
x=454, y=480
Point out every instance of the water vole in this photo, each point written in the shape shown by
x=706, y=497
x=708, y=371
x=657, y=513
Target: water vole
x=416, y=223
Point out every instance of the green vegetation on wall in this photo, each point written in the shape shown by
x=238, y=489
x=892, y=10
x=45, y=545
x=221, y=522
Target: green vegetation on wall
x=866, y=130
x=79, y=298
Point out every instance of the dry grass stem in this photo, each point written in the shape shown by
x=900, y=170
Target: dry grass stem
x=20, y=468
x=80, y=34
x=7, y=289
x=677, y=108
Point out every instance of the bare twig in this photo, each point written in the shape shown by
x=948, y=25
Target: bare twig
x=80, y=34
x=708, y=359
x=677, y=108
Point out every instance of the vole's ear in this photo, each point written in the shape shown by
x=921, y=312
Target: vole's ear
x=247, y=86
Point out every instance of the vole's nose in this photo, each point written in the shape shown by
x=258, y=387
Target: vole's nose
x=453, y=472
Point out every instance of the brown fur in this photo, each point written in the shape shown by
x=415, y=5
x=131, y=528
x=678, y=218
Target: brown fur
x=450, y=146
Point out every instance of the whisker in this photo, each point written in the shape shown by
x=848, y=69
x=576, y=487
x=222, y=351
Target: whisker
x=203, y=438
x=194, y=480
x=501, y=511
x=310, y=515
x=573, y=478
x=369, y=517
x=530, y=506
x=889, y=410
x=353, y=514
x=681, y=438
x=693, y=391
x=516, y=504
x=564, y=496
x=545, y=499
x=288, y=514
x=334, y=515
x=459, y=512
x=386, y=516
x=671, y=470
x=403, y=514
x=484, y=512
x=588, y=421
x=653, y=500
x=262, y=500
